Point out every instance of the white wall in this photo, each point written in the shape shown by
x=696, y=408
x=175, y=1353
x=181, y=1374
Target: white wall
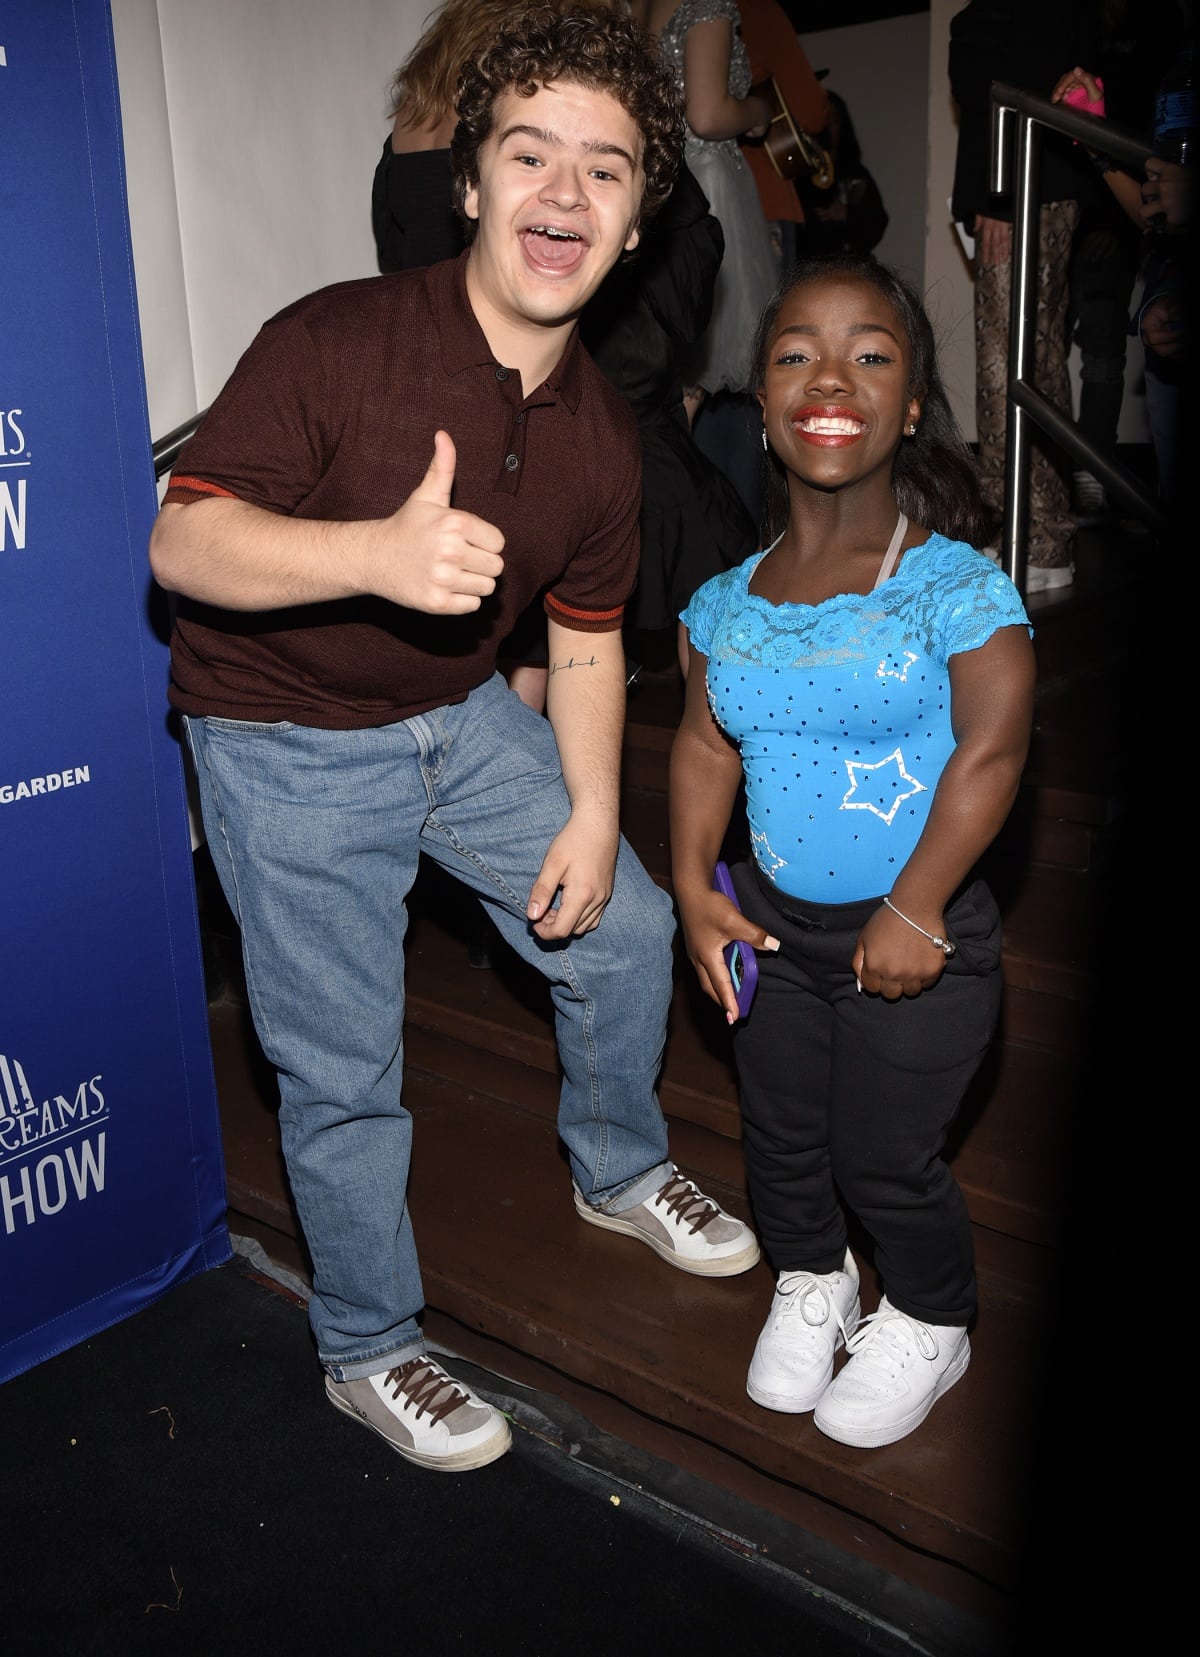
x=154, y=216
x=270, y=115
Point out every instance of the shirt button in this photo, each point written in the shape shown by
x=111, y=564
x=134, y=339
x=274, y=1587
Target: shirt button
x=502, y=373
x=520, y=419
x=511, y=463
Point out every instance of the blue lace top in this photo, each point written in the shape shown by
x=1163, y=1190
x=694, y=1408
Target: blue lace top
x=841, y=710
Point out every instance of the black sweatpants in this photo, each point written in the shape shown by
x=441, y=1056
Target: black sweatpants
x=847, y=1098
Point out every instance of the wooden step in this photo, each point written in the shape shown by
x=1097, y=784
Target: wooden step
x=505, y=1259
x=1007, y=1143
x=1010, y=1138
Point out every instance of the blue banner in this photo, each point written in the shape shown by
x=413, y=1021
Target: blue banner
x=111, y=1172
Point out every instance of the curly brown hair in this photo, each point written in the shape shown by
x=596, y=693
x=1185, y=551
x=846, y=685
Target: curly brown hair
x=593, y=46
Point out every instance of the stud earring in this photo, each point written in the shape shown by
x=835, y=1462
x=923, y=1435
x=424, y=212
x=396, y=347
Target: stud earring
x=912, y=428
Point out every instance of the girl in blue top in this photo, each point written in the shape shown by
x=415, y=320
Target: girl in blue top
x=870, y=680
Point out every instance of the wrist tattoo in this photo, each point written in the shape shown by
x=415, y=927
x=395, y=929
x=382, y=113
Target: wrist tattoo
x=561, y=667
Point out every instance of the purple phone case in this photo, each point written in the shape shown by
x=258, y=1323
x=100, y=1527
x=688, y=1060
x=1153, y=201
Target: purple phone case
x=737, y=955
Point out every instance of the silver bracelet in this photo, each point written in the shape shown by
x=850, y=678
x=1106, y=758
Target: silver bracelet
x=946, y=948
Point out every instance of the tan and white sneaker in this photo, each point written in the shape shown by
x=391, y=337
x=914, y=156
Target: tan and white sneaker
x=425, y=1415
x=684, y=1228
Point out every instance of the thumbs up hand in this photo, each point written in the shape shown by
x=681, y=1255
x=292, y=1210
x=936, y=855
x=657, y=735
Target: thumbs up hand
x=430, y=556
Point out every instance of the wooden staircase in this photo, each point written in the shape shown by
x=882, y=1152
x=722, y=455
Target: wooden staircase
x=515, y=1283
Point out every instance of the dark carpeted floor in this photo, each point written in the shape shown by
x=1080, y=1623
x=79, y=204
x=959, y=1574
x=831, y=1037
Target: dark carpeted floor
x=180, y=1485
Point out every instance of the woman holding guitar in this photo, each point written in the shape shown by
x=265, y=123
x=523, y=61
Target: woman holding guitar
x=701, y=39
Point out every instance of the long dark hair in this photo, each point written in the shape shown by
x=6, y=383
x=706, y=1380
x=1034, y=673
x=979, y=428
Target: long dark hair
x=933, y=475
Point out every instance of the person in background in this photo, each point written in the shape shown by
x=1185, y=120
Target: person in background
x=1021, y=43
x=1103, y=270
x=701, y=41
x=869, y=678
x=849, y=216
x=395, y=469
x=639, y=329
x=1160, y=204
x=1107, y=251
x=412, y=203
x=774, y=50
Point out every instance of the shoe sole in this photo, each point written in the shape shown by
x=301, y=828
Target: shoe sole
x=785, y=1405
x=462, y=1461
x=731, y=1265
x=875, y=1437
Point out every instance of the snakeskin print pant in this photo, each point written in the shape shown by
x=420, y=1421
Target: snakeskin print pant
x=1050, y=523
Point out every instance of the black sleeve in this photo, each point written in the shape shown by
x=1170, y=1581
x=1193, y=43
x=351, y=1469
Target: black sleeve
x=412, y=209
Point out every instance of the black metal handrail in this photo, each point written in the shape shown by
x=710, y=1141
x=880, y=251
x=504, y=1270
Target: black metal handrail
x=1023, y=112
x=167, y=448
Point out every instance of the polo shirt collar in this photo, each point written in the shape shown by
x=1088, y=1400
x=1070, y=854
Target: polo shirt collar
x=464, y=344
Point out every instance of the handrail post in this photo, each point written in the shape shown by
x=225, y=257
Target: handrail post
x=1016, y=118
x=1022, y=347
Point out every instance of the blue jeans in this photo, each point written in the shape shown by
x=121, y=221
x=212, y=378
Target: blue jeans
x=316, y=836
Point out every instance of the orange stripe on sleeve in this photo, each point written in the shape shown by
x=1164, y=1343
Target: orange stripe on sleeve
x=584, y=621
x=196, y=486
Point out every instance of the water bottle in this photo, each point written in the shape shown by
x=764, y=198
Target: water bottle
x=1175, y=108
x=1174, y=118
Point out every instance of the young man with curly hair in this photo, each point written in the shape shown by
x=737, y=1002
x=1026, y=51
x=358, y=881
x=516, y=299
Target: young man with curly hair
x=396, y=468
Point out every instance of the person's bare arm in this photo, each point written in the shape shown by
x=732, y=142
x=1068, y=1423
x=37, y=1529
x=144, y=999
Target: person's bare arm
x=1127, y=191
x=712, y=110
x=1166, y=195
x=991, y=691
x=585, y=703
x=706, y=770
x=427, y=556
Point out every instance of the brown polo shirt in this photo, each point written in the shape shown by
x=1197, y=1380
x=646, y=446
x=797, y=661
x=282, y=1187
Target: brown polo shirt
x=331, y=414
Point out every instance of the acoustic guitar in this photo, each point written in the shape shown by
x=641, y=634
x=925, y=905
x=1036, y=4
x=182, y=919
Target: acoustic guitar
x=791, y=150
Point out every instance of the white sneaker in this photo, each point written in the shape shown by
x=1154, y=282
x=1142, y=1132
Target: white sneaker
x=426, y=1415
x=1089, y=505
x=1042, y=578
x=898, y=1370
x=683, y=1227
x=810, y=1317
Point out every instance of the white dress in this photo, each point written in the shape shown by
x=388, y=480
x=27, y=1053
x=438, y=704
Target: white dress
x=722, y=360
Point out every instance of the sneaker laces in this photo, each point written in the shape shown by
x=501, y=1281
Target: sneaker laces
x=686, y=1203
x=886, y=1340
x=794, y=1292
x=426, y=1386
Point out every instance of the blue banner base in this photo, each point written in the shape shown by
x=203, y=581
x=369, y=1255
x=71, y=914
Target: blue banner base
x=114, y=1305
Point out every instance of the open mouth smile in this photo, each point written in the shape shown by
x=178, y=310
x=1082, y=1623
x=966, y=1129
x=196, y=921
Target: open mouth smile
x=828, y=427
x=553, y=248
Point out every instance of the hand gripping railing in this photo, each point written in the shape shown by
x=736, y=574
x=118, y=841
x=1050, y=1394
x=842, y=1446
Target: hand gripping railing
x=1022, y=114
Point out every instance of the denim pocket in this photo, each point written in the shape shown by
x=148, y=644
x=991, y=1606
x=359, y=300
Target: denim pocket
x=248, y=727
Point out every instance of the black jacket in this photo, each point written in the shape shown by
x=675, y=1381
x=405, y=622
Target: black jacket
x=1027, y=44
